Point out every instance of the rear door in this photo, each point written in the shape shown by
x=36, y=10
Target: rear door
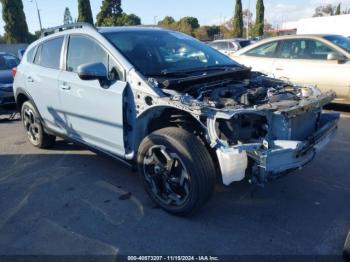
x=41, y=78
x=93, y=114
x=260, y=58
x=304, y=61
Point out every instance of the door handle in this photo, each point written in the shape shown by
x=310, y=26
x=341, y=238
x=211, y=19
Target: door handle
x=30, y=79
x=65, y=87
x=279, y=69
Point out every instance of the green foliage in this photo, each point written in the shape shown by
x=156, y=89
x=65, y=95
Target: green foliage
x=238, y=20
x=260, y=15
x=187, y=25
x=167, y=22
x=189, y=20
x=85, y=13
x=201, y=33
x=207, y=33
x=110, y=10
x=338, y=10
x=16, y=28
x=122, y=20
x=112, y=14
x=67, y=19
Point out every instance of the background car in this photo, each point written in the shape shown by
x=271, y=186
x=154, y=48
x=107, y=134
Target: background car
x=7, y=63
x=21, y=52
x=321, y=60
x=229, y=46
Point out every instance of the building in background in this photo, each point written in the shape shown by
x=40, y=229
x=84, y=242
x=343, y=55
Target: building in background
x=338, y=24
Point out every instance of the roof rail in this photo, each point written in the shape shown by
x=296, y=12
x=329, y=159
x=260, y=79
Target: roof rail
x=61, y=28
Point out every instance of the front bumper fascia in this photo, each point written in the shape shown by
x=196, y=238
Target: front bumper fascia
x=282, y=156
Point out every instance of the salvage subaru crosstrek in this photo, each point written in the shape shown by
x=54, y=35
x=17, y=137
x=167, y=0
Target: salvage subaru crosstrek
x=181, y=112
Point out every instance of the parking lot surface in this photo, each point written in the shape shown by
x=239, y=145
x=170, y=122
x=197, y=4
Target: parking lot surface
x=68, y=200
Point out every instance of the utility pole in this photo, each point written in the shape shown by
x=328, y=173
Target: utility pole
x=38, y=11
x=248, y=19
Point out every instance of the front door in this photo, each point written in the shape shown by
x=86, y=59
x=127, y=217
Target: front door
x=304, y=61
x=93, y=114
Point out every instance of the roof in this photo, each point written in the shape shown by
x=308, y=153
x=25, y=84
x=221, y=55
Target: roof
x=320, y=37
x=129, y=29
x=232, y=40
x=295, y=37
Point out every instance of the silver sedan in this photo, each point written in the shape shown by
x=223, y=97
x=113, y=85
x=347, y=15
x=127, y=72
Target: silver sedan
x=322, y=60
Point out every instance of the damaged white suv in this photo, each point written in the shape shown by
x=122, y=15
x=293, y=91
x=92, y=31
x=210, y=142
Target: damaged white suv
x=181, y=112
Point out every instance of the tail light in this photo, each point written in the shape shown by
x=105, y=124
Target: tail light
x=14, y=71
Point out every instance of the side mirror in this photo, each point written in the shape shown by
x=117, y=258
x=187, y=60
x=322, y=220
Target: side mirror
x=95, y=71
x=335, y=57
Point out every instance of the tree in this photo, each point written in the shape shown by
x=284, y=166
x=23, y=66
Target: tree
x=85, y=13
x=16, y=28
x=238, y=20
x=213, y=31
x=324, y=10
x=122, y=20
x=260, y=16
x=192, y=21
x=338, y=10
x=67, y=17
x=201, y=33
x=185, y=28
x=110, y=10
x=168, y=22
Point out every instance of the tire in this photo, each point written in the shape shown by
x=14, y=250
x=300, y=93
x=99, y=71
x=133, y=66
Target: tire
x=36, y=134
x=188, y=178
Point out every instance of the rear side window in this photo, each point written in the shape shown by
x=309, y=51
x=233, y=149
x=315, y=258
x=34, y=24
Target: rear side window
x=31, y=54
x=244, y=43
x=265, y=50
x=49, y=53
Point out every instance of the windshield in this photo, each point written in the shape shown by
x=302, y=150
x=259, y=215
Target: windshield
x=340, y=41
x=161, y=52
x=8, y=62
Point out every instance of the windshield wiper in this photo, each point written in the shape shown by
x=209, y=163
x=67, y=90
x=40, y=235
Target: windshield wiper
x=188, y=72
x=170, y=74
x=201, y=69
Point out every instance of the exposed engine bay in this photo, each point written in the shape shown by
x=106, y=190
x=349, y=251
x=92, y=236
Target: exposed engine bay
x=245, y=115
x=255, y=91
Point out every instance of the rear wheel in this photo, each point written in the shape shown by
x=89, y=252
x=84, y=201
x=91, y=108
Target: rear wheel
x=35, y=132
x=177, y=170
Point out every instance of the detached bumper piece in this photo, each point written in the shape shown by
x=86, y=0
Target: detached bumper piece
x=281, y=156
x=289, y=155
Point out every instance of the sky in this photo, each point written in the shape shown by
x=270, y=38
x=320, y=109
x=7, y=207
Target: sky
x=208, y=12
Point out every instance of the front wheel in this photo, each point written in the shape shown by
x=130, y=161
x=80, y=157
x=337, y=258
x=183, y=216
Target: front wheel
x=177, y=170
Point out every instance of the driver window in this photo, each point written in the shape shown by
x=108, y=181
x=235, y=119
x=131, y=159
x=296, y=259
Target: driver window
x=317, y=50
x=82, y=50
x=305, y=49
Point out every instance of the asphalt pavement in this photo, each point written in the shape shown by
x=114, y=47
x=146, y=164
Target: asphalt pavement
x=70, y=201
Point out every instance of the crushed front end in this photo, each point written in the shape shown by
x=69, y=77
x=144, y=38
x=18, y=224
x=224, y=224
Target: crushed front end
x=258, y=126
x=276, y=141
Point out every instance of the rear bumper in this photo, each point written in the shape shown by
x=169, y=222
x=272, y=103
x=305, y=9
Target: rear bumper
x=7, y=97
